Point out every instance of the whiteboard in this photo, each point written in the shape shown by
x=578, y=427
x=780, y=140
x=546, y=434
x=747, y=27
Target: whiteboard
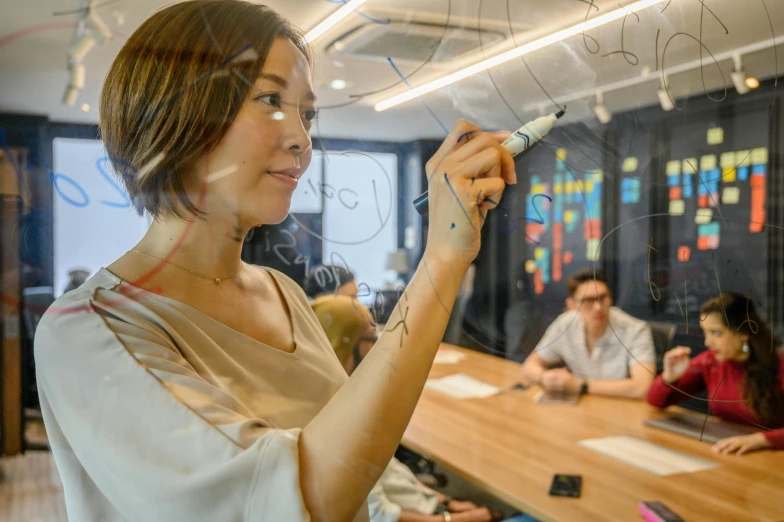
x=94, y=222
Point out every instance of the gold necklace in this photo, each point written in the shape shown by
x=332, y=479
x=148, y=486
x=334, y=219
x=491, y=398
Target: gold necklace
x=216, y=279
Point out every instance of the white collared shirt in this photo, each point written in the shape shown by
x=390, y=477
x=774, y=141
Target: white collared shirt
x=627, y=341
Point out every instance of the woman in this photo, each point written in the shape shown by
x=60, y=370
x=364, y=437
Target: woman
x=179, y=383
x=741, y=370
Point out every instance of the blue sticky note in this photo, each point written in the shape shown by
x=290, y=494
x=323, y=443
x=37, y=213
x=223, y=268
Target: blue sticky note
x=535, y=180
x=743, y=173
x=688, y=191
x=673, y=180
x=758, y=170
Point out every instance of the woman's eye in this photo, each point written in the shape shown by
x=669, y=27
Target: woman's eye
x=270, y=99
x=311, y=115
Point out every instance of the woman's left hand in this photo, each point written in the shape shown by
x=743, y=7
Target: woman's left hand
x=741, y=444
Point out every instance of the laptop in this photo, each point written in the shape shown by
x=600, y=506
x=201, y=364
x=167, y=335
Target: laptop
x=692, y=426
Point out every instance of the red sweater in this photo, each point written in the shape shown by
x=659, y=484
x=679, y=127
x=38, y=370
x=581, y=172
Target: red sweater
x=724, y=382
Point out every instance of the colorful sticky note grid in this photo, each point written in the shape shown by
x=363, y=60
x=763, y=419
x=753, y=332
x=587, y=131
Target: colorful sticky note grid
x=630, y=164
x=715, y=136
x=708, y=236
x=704, y=215
x=677, y=207
x=730, y=195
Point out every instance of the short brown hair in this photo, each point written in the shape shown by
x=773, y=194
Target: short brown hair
x=583, y=276
x=176, y=87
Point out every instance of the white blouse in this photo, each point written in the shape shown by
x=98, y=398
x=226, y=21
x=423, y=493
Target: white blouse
x=157, y=412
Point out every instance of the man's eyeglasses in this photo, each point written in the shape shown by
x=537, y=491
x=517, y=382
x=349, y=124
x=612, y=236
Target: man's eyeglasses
x=590, y=301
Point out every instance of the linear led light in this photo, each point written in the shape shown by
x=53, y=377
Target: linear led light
x=333, y=19
x=515, y=53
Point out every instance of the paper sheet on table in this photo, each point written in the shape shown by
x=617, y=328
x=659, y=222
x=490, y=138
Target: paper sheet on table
x=647, y=455
x=448, y=357
x=461, y=386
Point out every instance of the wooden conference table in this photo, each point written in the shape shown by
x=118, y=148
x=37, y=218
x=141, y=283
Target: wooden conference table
x=511, y=447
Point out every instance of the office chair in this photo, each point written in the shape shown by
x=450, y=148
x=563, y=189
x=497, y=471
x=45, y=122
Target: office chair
x=663, y=335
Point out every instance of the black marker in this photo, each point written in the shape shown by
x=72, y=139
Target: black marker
x=517, y=142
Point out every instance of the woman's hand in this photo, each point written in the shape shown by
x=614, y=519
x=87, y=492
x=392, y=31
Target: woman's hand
x=676, y=362
x=741, y=444
x=466, y=178
x=458, y=506
x=482, y=514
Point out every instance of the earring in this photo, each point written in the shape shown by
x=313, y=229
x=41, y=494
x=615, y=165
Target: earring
x=745, y=347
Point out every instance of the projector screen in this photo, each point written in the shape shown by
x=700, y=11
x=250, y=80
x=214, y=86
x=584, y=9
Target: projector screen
x=94, y=222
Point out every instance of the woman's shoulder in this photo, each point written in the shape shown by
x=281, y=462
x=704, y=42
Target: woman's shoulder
x=286, y=284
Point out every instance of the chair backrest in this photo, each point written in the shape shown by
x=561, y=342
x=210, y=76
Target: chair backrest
x=663, y=334
x=36, y=300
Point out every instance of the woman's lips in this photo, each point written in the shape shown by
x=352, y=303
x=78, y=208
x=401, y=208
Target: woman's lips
x=285, y=178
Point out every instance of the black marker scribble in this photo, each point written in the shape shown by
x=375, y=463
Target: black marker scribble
x=587, y=14
x=626, y=54
x=651, y=285
x=401, y=322
x=457, y=198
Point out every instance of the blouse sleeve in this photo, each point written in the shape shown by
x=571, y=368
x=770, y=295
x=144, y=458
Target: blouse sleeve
x=776, y=437
x=159, y=441
x=692, y=381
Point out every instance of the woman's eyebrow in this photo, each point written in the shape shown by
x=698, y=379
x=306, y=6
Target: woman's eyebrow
x=310, y=96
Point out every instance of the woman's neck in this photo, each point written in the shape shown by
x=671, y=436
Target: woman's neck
x=210, y=246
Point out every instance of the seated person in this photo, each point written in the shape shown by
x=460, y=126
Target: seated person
x=742, y=372
x=606, y=351
x=398, y=496
x=330, y=280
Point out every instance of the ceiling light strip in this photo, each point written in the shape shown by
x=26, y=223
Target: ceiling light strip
x=515, y=53
x=333, y=19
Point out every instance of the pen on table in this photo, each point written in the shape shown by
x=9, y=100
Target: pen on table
x=517, y=142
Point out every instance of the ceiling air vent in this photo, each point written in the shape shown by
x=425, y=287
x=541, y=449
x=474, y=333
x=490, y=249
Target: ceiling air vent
x=412, y=42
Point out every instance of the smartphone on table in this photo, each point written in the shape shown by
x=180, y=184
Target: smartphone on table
x=566, y=485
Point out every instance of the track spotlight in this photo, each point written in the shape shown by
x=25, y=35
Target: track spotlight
x=739, y=75
x=71, y=94
x=81, y=46
x=96, y=23
x=601, y=111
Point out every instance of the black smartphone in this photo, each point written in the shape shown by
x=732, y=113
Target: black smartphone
x=658, y=512
x=566, y=485
x=520, y=386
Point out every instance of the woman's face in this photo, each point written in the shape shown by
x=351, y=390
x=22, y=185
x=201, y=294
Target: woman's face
x=726, y=344
x=253, y=172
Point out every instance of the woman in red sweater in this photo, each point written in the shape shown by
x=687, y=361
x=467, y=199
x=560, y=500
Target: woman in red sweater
x=741, y=370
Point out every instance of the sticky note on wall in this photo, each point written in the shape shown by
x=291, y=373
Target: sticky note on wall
x=673, y=167
x=715, y=136
x=727, y=160
x=730, y=195
x=704, y=215
x=690, y=166
x=759, y=156
x=743, y=158
x=677, y=207
x=592, y=250
x=630, y=164
x=708, y=162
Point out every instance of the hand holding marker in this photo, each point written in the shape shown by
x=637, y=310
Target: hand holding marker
x=516, y=143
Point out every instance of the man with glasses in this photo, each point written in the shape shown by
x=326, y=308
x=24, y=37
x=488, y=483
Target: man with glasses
x=606, y=351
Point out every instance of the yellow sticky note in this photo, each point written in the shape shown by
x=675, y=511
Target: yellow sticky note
x=704, y=216
x=537, y=189
x=592, y=250
x=677, y=207
x=630, y=164
x=589, y=186
x=729, y=175
x=708, y=162
x=560, y=154
x=759, y=156
x=743, y=158
x=673, y=167
x=730, y=195
x=715, y=136
x=598, y=177
x=530, y=266
x=569, y=188
x=558, y=188
x=689, y=166
x=727, y=160
x=568, y=216
x=538, y=253
x=580, y=186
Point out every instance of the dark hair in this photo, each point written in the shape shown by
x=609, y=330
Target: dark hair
x=175, y=89
x=762, y=388
x=326, y=279
x=583, y=276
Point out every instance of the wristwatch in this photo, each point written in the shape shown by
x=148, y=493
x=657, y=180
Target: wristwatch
x=584, y=387
x=447, y=517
